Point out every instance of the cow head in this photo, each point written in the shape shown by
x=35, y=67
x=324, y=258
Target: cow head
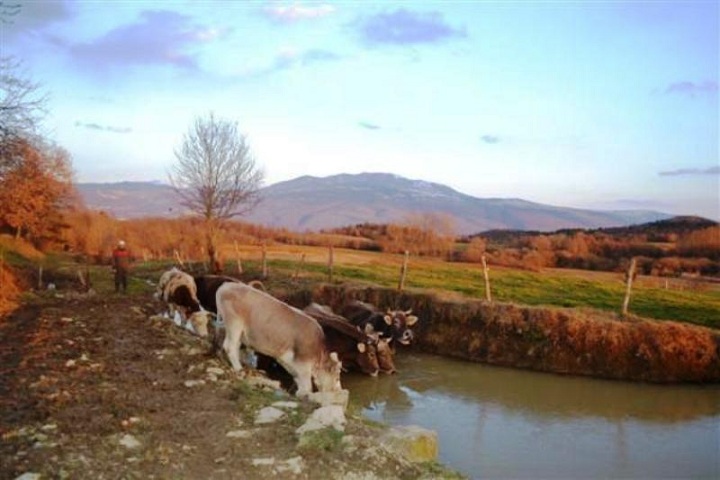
x=400, y=322
x=385, y=356
x=367, y=358
x=327, y=375
x=199, y=321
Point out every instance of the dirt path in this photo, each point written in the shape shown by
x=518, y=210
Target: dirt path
x=94, y=388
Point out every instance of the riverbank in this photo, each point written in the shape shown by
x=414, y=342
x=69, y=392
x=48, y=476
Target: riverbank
x=92, y=386
x=567, y=341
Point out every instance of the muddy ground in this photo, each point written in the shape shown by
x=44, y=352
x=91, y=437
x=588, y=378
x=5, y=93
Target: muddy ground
x=92, y=387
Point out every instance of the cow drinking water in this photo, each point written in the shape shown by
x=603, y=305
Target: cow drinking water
x=394, y=325
x=273, y=328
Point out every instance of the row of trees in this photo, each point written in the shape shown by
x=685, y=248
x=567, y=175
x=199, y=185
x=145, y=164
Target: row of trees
x=696, y=252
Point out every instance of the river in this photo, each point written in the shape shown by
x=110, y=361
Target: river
x=504, y=423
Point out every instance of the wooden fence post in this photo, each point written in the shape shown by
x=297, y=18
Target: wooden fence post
x=178, y=259
x=298, y=269
x=629, y=276
x=239, y=262
x=40, y=275
x=403, y=271
x=330, y=264
x=264, y=261
x=486, y=275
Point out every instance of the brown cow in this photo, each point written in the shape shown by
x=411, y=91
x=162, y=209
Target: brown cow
x=356, y=350
x=393, y=325
x=274, y=328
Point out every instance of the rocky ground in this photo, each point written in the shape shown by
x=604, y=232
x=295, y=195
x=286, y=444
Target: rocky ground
x=97, y=387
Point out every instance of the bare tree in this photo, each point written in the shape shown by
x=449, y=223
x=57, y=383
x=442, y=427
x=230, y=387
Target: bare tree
x=22, y=105
x=215, y=176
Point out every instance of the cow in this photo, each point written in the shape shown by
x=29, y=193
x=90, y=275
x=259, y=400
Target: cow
x=393, y=325
x=178, y=290
x=274, y=328
x=207, y=287
x=356, y=350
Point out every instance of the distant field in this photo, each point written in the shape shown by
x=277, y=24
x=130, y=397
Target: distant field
x=683, y=300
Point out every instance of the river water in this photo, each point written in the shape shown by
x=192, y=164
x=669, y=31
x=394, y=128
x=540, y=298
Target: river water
x=505, y=423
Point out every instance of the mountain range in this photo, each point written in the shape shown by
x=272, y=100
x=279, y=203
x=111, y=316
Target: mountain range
x=315, y=203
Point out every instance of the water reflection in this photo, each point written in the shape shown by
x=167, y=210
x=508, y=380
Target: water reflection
x=497, y=422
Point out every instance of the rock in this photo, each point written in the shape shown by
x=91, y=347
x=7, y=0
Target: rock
x=415, y=443
x=328, y=416
x=268, y=415
x=288, y=405
x=215, y=371
x=128, y=441
x=263, y=382
x=194, y=383
x=293, y=465
x=331, y=398
x=193, y=351
x=28, y=476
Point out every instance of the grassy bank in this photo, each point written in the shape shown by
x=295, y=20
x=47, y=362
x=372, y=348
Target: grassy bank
x=568, y=341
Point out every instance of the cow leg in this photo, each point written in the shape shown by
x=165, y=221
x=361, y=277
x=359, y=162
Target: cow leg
x=231, y=345
x=300, y=371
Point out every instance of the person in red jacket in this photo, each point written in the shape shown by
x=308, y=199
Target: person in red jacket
x=121, y=265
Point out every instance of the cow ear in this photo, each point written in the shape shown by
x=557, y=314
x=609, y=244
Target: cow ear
x=361, y=347
x=410, y=321
x=388, y=319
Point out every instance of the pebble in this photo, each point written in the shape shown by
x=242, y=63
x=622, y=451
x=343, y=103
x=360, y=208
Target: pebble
x=293, y=465
x=323, y=417
x=28, y=476
x=129, y=441
x=269, y=415
x=194, y=383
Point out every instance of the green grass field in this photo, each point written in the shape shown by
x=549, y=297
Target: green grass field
x=682, y=301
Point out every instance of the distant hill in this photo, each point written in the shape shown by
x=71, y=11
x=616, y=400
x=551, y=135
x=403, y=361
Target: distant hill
x=658, y=231
x=313, y=203
x=131, y=199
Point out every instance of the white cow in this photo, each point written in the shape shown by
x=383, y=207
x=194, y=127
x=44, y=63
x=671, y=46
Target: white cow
x=273, y=328
x=178, y=290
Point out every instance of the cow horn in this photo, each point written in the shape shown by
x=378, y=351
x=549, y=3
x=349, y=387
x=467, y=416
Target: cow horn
x=408, y=312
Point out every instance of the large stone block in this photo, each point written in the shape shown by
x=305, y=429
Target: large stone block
x=415, y=443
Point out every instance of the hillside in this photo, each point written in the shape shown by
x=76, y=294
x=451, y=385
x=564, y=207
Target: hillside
x=312, y=203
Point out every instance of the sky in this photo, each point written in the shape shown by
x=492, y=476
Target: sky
x=606, y=105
